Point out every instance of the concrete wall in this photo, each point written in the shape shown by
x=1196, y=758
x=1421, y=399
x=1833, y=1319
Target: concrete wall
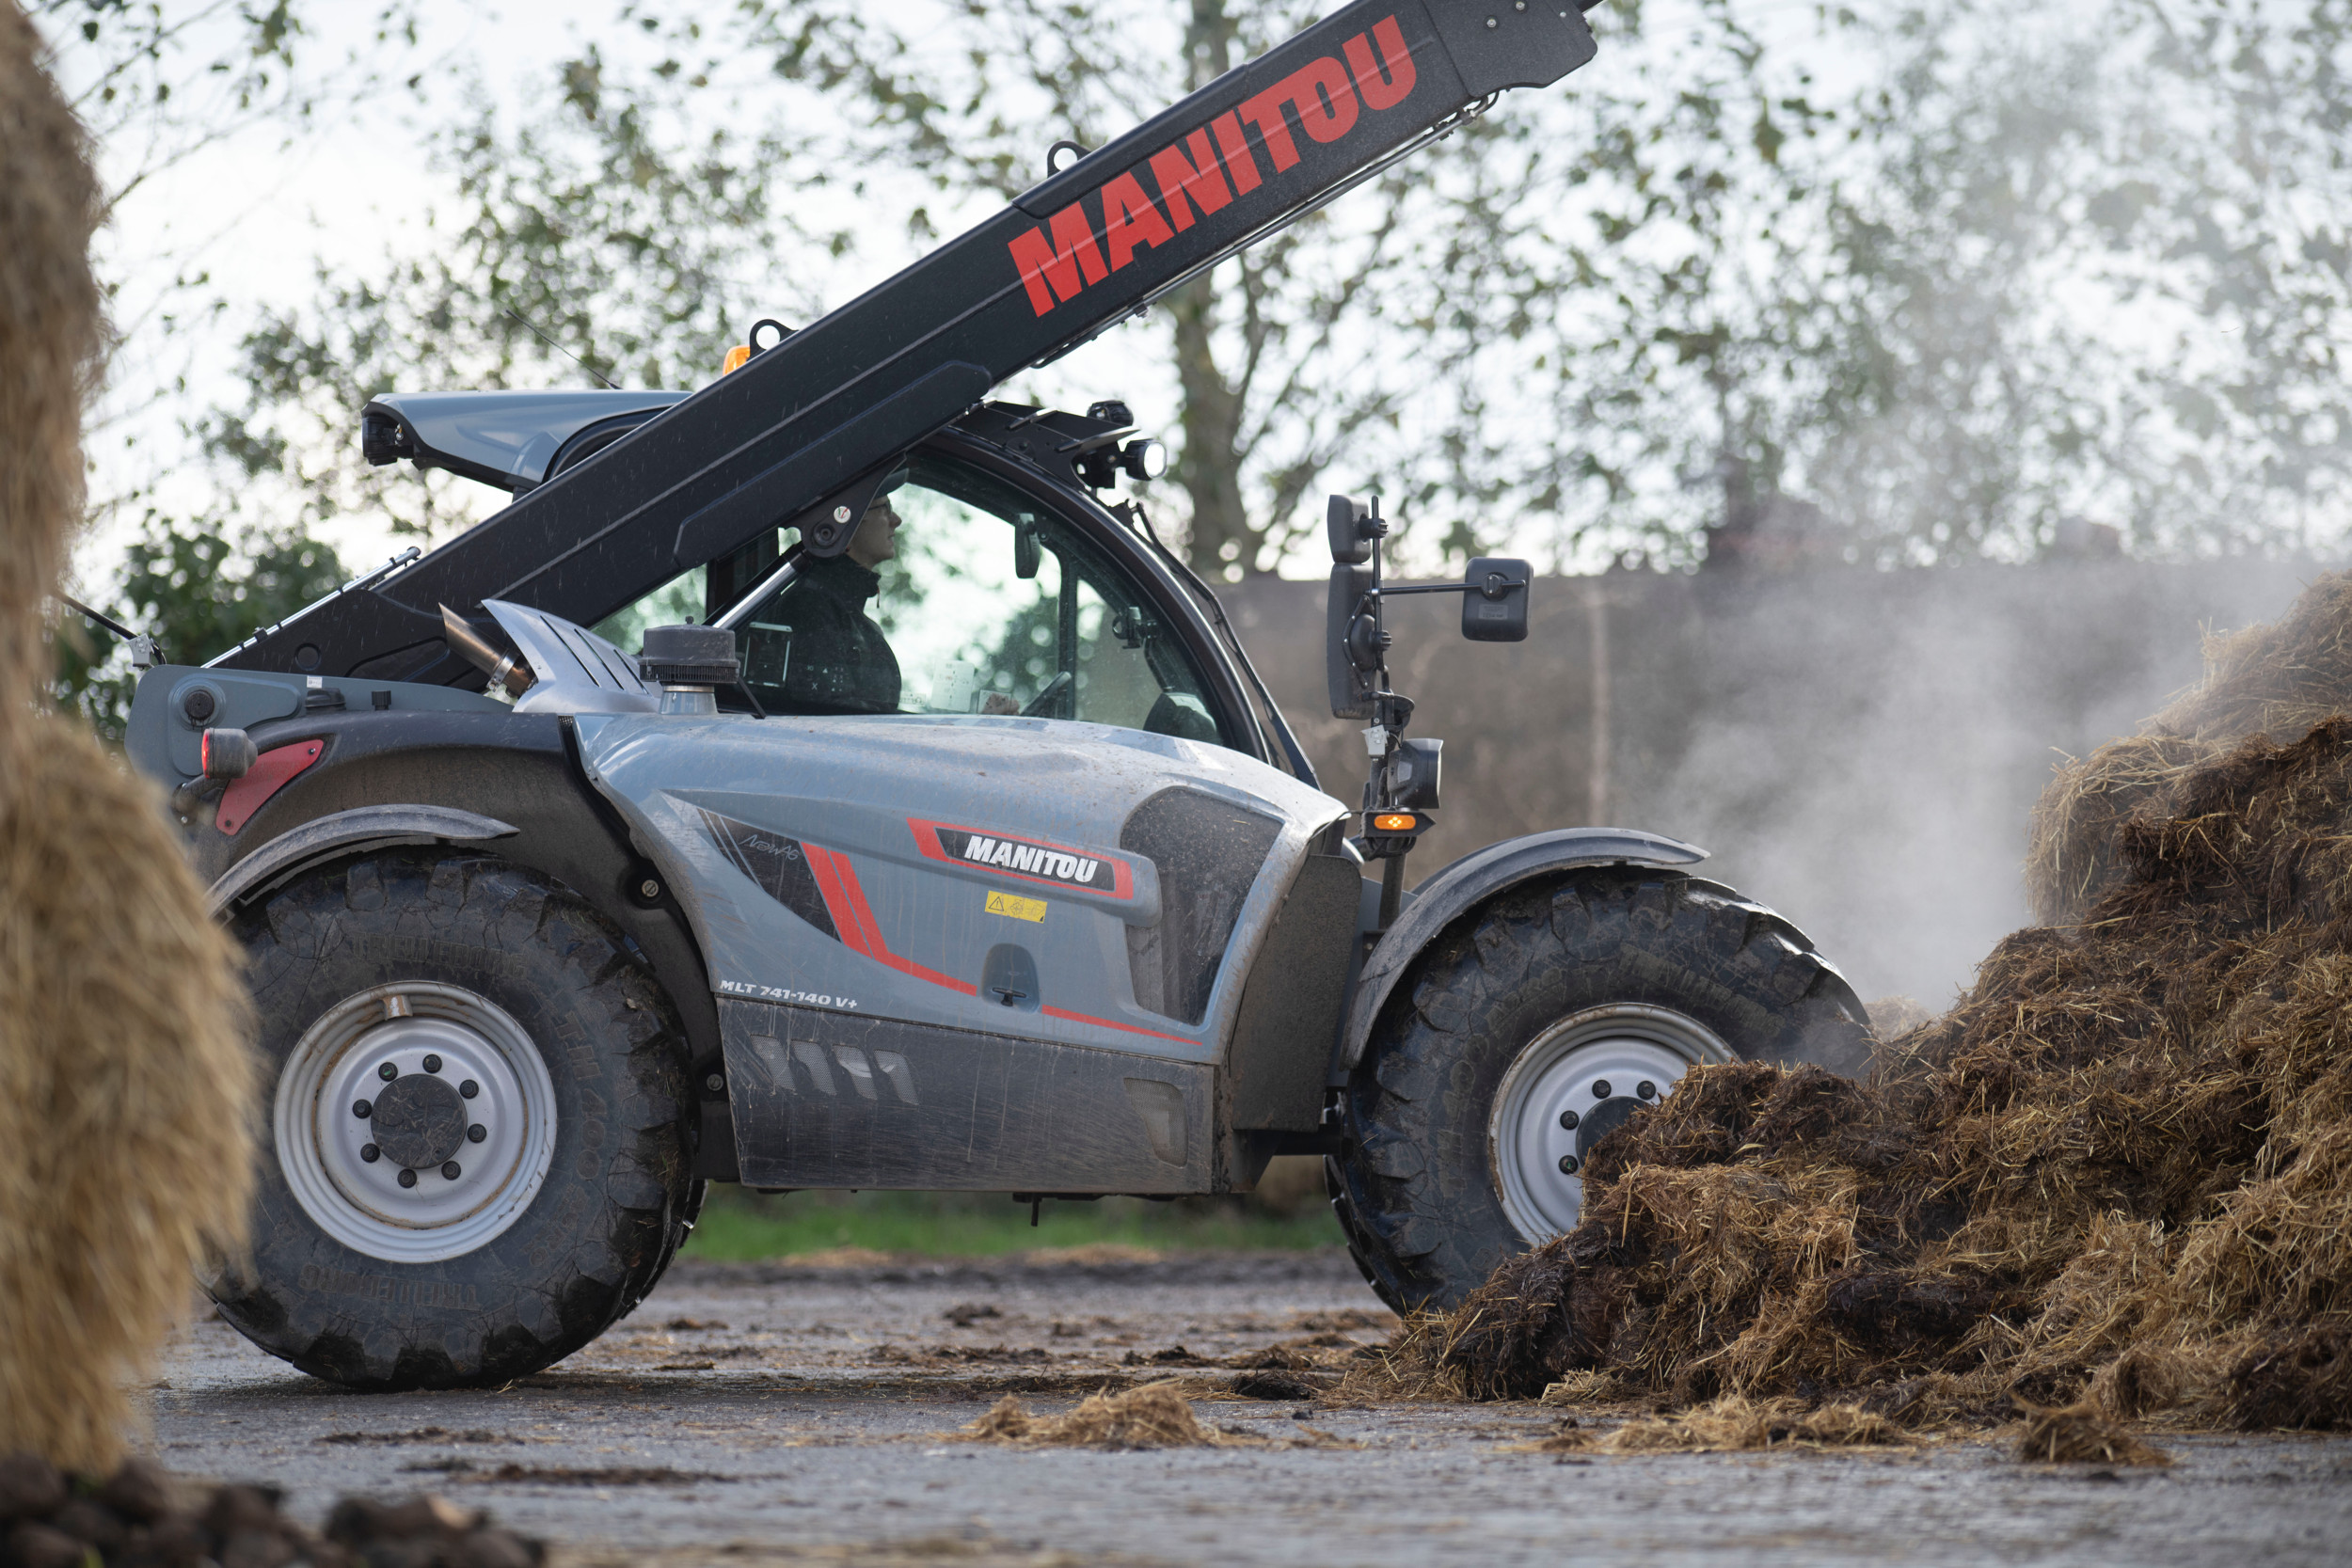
x=1859, y=750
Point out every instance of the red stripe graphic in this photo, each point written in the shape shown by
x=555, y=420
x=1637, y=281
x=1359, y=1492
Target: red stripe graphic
x=845, y=900
x=837, y=903
x=1068, y=1017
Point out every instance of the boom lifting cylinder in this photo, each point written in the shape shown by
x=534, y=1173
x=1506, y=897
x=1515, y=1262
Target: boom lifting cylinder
x=780, y=440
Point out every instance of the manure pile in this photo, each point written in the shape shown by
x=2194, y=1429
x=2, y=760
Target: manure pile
x=2117, y=1177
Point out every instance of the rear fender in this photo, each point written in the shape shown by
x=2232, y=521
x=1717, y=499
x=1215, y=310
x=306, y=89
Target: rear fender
x=347, y=833
x=508, y=782
x=1474, y=880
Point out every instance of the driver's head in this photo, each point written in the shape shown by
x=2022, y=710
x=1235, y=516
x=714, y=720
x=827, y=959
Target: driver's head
x=875, y=540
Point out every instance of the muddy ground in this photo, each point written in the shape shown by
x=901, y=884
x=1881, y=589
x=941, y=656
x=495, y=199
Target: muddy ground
x=755, y=1414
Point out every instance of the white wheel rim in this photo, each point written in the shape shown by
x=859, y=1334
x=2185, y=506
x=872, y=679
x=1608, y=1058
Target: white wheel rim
x=1589, y=1067
x=322, y=1142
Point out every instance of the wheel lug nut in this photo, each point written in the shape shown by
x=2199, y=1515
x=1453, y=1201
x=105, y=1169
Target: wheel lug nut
x=407, y=1178
x=450, y=1171
x=475, y=1133
x=1568, y=1164
x=370, y=1153
x=1601, y=1088
x=432, y=1064
x=362, y=1109
x=388, y=1073
x=1568, y=1120
x=1647, y=1090
x=469, y=1088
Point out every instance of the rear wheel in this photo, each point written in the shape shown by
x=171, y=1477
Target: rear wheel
x=1535, y=1027
x=476, y=1154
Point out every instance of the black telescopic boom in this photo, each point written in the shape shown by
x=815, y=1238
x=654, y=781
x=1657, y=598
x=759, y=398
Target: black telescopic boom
x=774, y=442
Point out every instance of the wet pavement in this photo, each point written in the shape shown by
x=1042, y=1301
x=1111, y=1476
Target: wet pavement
x=755, y=1414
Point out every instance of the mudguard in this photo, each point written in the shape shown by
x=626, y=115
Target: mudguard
x=343, y=833
x=1478, y=877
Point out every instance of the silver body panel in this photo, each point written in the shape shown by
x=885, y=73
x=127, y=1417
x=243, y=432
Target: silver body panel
x=578, y=671
x=881, y=976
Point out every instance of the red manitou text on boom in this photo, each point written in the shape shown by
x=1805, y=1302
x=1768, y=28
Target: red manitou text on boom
x=1068, y=255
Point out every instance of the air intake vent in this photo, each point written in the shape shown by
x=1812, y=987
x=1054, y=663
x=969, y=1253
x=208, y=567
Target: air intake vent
x=1209, y=853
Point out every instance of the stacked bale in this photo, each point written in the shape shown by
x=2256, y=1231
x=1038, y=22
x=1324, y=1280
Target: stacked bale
x=2117, y=1177
x=125, y=1082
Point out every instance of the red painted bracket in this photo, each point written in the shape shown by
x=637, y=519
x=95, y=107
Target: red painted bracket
x=269, y=774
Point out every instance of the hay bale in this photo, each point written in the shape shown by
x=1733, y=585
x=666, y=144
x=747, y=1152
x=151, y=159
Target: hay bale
x=2116, y=1179
x=2069, y=849
x=125, y=1081
x=1154, y=1416
x=126, y=1093
x=51, y=332
x=2276, y=680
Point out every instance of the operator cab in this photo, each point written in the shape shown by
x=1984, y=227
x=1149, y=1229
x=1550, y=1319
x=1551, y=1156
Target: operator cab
x=995, y=596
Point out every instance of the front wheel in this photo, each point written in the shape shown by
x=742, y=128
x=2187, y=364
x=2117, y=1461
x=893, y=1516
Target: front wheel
x=476, y=1151
x=1536, y=1026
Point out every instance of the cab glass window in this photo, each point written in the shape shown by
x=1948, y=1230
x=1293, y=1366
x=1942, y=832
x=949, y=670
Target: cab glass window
x=958, y=594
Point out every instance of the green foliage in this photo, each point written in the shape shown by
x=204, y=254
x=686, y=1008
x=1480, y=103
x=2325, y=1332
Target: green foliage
x=602, y=237
x=198, y=593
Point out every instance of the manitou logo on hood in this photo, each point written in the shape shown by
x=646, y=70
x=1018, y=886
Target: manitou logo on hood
x=1029, y=859
x=1192, y=175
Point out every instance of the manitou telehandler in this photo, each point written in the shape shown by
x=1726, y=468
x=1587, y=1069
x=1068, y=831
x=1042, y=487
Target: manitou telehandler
x=939, y=836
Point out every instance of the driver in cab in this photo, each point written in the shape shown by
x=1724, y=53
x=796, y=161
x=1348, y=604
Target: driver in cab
x=841, y=661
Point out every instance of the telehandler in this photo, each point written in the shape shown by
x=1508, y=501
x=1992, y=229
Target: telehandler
x=938, y=835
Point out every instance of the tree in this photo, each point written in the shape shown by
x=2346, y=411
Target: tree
x=198, y=593
x=1285, y=357
x=601, y=237
x=1689, y=306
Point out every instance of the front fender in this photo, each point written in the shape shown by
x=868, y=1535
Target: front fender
x=1476, y=878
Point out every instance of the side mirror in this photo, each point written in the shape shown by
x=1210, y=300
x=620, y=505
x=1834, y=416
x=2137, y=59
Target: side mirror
x=1353, y=526
x=1351, y=682
x=1494, y=600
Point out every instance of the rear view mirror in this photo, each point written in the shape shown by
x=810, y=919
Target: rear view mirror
x=1494, y=600
x=1347, y=639
x=1027, y=554
x=1353, y=527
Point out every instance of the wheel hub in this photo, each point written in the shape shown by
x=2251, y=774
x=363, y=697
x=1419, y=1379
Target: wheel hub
x=419, y=1121
x=415, y=1121
x=1572, y=1085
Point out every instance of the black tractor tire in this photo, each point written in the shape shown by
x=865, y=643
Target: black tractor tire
x=1417, y=1188
x=615, y=1195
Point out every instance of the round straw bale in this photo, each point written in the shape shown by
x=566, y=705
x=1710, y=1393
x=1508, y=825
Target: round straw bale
x=125, y=1082
x=50, y=331
x=126, y=1087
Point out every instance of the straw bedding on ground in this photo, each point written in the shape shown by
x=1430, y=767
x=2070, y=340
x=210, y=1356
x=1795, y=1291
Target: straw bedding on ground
x=1155, y=1416
x=2114, y=1182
